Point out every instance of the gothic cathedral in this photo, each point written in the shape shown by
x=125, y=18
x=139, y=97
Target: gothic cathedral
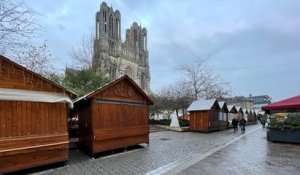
x=114, y=58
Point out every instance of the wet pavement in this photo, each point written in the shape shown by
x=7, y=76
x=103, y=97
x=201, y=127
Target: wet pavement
x=170, y=152
x=154, y=128
x=251, y=154
x=167, y=150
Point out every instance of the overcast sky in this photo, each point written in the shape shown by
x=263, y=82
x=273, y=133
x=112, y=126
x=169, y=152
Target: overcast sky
x=255, y=45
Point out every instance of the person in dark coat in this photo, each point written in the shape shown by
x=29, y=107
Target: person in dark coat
x=263, y=122
x=234, y=123
x=243, y=125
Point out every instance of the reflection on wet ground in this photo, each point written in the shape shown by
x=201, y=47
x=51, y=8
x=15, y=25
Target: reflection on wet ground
x=252, y=154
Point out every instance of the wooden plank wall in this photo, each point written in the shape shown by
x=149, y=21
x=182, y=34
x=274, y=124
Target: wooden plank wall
x=251, y=119
x=32, y=131
x=118, y=118
x=33, y=157
x=119, y=125
x=199, y=121
x=32, y=118
x=122, y=91
x=112, y=116
x=16, y=77
x=18, y=153
x=206, y=121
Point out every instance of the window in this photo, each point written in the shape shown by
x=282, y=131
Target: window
x=142, y=81
x=221, y=115
x=145, y=40
x=111, y=27
x=113, y=71
x=135, y=37
x=104, y=16
x=118, y=28
x=97, y=30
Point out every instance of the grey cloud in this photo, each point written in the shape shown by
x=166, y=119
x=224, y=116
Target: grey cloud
x=239, y=36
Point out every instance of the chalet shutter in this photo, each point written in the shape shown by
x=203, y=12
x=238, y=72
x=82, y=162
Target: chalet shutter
x=34, y=96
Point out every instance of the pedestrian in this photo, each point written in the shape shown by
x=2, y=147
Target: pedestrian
x=243, y=125
x=259, y=117
x=234, y=123
x=263, y=122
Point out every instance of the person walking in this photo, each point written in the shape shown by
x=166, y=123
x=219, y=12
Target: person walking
x=234, y=123
x=243, y=125
x=263, y=122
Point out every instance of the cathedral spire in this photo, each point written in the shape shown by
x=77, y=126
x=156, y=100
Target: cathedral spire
x=112, y=58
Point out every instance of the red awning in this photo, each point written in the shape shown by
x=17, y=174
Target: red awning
x=290, y=103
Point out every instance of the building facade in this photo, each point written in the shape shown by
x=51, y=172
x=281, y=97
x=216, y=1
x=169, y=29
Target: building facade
x=113, y=58
x=251, y=102
x=261, y=100
x=244, y=102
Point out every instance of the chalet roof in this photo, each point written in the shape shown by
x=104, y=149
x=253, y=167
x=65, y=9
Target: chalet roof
x=238, y=108
x=223, y=106
x=221, y=103
x=110, y=84
x=245, y=111
x=72, y=94
x=289, y=103
x=201, y=105
x=231, y=107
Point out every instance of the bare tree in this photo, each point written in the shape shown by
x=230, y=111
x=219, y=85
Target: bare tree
x=38, y=59
x=175, y=97
x=202, y=81
x=17, y=25
x=82, y=54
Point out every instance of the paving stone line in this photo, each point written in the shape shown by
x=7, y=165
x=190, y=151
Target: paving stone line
x=167, y=150
x=196, y=158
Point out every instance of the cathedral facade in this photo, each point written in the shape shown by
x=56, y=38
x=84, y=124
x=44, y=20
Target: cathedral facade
x=113, y=58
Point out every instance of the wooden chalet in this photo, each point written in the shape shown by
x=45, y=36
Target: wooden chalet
x=251, y=117
x=204, y=116
x=245, y=114
x=113, y=116
x=240, y=112
x=255, y=113
x=232, y=113
x=33, y=118
x=223, y=115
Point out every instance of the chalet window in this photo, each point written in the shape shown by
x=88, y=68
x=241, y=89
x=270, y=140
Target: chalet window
x=221, y=116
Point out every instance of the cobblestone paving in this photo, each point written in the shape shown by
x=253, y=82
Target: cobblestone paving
x=165, y=148
x=252, y=155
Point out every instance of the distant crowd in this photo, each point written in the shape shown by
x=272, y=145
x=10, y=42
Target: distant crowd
x=242, y=123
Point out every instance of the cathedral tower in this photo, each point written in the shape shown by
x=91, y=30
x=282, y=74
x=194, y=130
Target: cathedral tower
x=114, y=58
